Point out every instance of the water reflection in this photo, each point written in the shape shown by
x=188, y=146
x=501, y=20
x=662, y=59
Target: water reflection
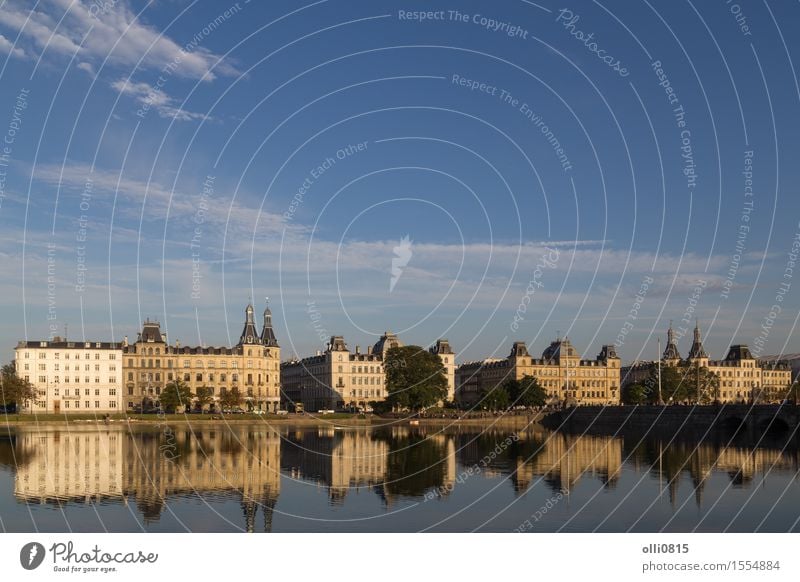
x=218, y=469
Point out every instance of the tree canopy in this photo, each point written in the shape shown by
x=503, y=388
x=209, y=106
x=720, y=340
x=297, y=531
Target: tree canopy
x=683, y=383
x=415, y=378
x=203, y=397
x=14, y=391
x=494, y=398
x=525, y=392
x=176, y=393
x=230, y=398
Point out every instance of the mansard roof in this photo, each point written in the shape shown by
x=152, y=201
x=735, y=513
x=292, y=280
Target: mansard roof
x=151, y=332
x=442, y=346
x=559, y=348
x=387, y=341
x=739, y=352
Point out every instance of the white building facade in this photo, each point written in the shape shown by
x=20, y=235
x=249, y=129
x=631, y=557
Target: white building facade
x=71, y=377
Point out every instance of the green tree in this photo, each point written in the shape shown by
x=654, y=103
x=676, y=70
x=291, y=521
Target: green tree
x=14, y=391
x=703, y=384
x=684, y=383
x=203, y=397
x=176, y=393
x=526, y=391
x=230, y=398
x=494, y=398
x=414, y=378
x=635, y=393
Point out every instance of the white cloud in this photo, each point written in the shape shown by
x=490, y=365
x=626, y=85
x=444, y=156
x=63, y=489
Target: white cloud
x=84, y=66
x=6, y=46
x=67, y=27
x=148, y=96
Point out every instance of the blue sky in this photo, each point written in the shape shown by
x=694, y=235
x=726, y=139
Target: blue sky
x=327, y=132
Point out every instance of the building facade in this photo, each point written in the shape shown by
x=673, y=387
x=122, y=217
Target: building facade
x=252, y=366
x=72, y=377
x=565, y=377
x=338, y=378
x=742, y=378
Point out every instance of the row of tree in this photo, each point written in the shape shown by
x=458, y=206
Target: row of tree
x=686, y=384
x=690, y=384
x=16, y=392
x=523, y=392
x=415, y=380
x=178, y=394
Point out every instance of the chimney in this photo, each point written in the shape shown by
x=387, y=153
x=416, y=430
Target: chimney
x=177, y=343
x=358, y=349
x=369, y=350
x=319, y=353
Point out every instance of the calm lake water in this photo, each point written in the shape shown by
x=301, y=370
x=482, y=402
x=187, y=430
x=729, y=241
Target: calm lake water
x=257, y=478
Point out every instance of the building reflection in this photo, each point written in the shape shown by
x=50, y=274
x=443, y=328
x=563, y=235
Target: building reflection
x=669, y=462
x=150, y=467
x=389, y=462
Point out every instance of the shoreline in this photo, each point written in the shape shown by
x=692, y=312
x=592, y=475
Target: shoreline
x=332, y=421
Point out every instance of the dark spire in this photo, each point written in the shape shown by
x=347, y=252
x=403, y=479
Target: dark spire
x=697, y=350
x=267, y=334
x=249, y=333
x=671, y=351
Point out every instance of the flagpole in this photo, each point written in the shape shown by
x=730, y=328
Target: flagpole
x=659, y=371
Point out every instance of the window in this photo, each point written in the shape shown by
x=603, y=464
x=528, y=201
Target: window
x=113, y=404
x=97, y=404
x=199, y=376
x=112, y=392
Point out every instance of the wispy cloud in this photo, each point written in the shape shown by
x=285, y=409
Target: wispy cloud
x=151, y=97
x=67, y=27
x=7, y=47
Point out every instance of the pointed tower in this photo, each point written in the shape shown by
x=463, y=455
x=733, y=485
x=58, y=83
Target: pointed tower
x=269, y=393
x=698, y=354
x=671, y=355
x=249, y=333
x=267, y=334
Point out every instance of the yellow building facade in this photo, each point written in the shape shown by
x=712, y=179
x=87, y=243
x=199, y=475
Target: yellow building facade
x=252, y=366
x=564, y=375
